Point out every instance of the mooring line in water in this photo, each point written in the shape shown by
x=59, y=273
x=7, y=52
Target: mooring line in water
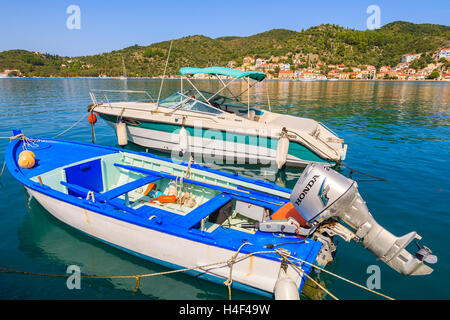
x=71, y=127
x=233, y=259
x=311, y=278
x=354, y=170
x=3, y=168
x=342, y=278
x=230, y=262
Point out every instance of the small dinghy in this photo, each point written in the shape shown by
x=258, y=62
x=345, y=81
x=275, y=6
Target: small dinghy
x=250, y=234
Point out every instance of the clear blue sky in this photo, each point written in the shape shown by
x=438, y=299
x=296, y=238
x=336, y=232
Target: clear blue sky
x=110, y=25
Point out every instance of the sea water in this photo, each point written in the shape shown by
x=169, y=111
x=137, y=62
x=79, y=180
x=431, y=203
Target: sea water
x=396, y=130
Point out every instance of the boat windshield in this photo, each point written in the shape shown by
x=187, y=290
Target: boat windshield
x=173, y=100
x=188, y=103
x=217, y=100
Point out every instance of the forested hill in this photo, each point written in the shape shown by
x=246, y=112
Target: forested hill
x=330, y=44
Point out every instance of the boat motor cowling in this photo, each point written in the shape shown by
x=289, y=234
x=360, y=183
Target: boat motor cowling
x=322, y=194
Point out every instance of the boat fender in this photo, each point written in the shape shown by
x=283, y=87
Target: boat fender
x=92, y=119
x=183, y=140
x=282, y=150
x=285, y=287
x=121, y=129
x=27, y=159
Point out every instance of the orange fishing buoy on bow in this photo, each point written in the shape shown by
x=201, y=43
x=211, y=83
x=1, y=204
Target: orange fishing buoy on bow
x=26, y=159
x=92, y=119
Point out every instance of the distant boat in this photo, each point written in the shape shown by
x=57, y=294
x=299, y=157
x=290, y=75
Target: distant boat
x=3, y=76
x=333, y=79
x=124, y=75
x=307, y=79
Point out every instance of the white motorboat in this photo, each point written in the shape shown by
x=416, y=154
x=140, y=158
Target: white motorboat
x=195, y=122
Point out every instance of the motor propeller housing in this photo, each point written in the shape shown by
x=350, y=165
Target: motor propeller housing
x=322, y=194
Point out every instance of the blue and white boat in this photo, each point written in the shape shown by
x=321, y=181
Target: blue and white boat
x=251, y=234
x=218, y=127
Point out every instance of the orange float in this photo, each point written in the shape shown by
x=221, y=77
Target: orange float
x=27, y=159
x=92, y=119
x=165, y=199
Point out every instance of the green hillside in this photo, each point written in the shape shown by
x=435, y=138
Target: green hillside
x=326, y=43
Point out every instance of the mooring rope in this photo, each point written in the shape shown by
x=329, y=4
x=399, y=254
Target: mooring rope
x=27, y=142
x=3, y=168
x=342, y=278
x=354, y=170
x=312, y=279
x=230, y=262
x=72, y=126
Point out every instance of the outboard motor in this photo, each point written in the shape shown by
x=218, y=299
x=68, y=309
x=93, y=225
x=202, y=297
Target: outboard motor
x=322, y=195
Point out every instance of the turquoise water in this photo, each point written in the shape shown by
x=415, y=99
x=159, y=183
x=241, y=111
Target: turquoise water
x=396, y=130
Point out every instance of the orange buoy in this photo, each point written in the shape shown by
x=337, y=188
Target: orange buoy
x=92, y=119
x=27, y=159
x=165, y=199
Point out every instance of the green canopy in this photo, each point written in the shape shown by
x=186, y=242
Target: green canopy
x=255, y=75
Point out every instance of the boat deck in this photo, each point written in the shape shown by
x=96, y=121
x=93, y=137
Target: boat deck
x=116, y=204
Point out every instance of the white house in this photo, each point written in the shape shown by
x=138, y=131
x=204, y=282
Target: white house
x=410, y=57
x=259, y=62
x=443, y=53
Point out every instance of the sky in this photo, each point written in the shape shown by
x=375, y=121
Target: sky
x=41, y=25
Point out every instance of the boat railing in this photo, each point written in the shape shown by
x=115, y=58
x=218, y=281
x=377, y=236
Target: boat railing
x=104, y=93
x=323, y=125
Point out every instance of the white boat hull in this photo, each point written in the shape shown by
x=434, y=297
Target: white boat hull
x=253, y=274
x=210, y=150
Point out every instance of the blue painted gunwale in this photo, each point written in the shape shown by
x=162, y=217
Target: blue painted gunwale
x=223, y=238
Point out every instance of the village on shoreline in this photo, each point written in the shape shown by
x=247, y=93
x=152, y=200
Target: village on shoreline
x=412, y=67
x=435, y=67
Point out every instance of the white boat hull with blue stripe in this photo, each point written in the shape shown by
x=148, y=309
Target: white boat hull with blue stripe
x=120, y=198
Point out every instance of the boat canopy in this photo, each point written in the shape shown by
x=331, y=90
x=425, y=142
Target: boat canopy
x=238, y=74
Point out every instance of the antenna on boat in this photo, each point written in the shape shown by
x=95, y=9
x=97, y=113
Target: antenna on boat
x=164, y=75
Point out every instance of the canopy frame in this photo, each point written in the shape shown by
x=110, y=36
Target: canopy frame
x=216, y=71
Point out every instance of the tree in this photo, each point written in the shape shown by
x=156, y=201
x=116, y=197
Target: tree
x=434, y=75
x=277, y=69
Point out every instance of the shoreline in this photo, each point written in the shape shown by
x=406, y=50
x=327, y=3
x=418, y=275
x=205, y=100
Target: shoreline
x=290, y=80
